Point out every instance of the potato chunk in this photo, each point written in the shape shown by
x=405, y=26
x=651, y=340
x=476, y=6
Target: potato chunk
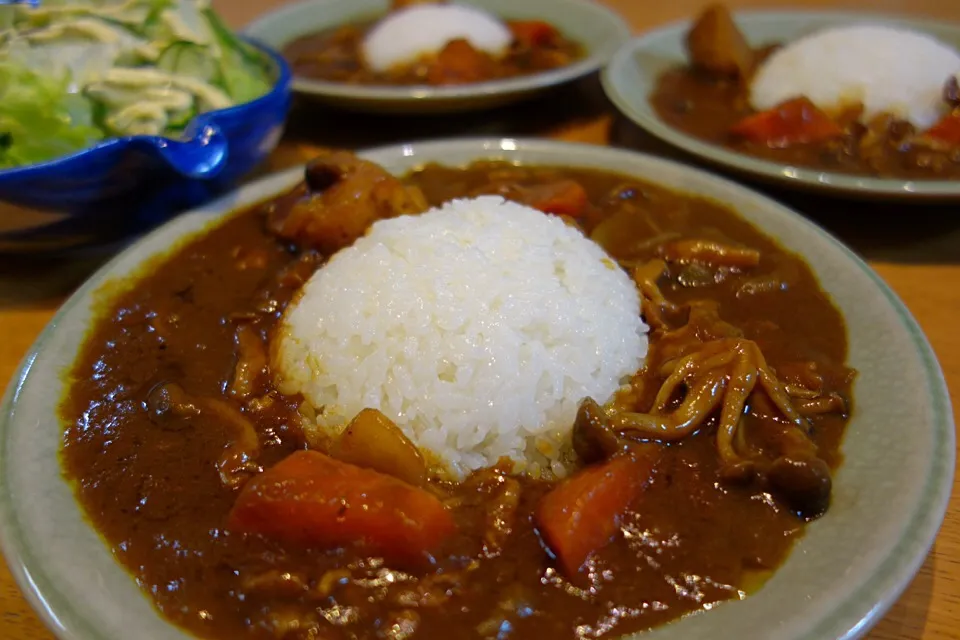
x=717, y=45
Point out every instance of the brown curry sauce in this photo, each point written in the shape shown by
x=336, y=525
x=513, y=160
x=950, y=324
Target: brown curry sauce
x=152, y=489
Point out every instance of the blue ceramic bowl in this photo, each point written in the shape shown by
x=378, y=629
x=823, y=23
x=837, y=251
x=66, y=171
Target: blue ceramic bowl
x=124, y=186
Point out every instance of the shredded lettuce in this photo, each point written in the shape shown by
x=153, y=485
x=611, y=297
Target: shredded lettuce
x=39, y=119
x=134, y=14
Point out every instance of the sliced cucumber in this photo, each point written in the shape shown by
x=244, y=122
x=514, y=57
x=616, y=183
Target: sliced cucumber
x=241, y=68
x=180, y=119
x=98, y=111
x=229, y=41
x=189, y=60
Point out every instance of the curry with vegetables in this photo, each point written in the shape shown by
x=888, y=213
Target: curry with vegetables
x=689, y=486
x=336, y=55
x=709, y=99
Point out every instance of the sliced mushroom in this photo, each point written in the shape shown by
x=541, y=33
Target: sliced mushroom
x=594, y=438
x=803, y=483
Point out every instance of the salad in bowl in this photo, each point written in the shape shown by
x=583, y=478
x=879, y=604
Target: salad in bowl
x=100, y=100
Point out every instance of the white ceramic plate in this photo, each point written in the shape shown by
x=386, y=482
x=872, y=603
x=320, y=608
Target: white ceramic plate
x=890, y=493
x=632, y=76
x=598, y=29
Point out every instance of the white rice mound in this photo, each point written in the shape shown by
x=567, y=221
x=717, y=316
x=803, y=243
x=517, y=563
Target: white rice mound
x=477, y=327
x=405, y=35
x=887, y=70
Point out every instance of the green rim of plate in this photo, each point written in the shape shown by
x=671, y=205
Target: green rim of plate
x=628, y=85
x=601, y=18
x=847, y=619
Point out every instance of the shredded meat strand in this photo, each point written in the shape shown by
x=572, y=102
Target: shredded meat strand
x=708, y=252
x=251, y=361
x=237, y=463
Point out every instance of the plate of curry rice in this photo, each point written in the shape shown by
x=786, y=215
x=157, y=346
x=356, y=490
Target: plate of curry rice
x=403, y=56
x=853, y=104
x=489, y=388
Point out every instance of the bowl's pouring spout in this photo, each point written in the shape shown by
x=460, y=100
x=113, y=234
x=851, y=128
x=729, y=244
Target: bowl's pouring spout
x=202, y=156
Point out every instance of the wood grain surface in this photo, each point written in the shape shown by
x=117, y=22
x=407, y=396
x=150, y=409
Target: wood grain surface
x=915, y=249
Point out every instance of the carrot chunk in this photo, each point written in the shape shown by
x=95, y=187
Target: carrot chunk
x=532, y=33
x=582, y=514
x=313, y=500
x=796, y=121
x=947, y=130
x=458, y=62
x=562, y=198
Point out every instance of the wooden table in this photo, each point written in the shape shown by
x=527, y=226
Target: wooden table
x=915, y=249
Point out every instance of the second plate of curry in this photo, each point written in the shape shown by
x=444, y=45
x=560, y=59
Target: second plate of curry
x=551, y=42
x=655, y=82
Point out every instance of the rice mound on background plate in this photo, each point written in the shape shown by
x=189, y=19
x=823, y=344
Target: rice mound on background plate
x=477, y=327
x=886, y=69
x=405, y=35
